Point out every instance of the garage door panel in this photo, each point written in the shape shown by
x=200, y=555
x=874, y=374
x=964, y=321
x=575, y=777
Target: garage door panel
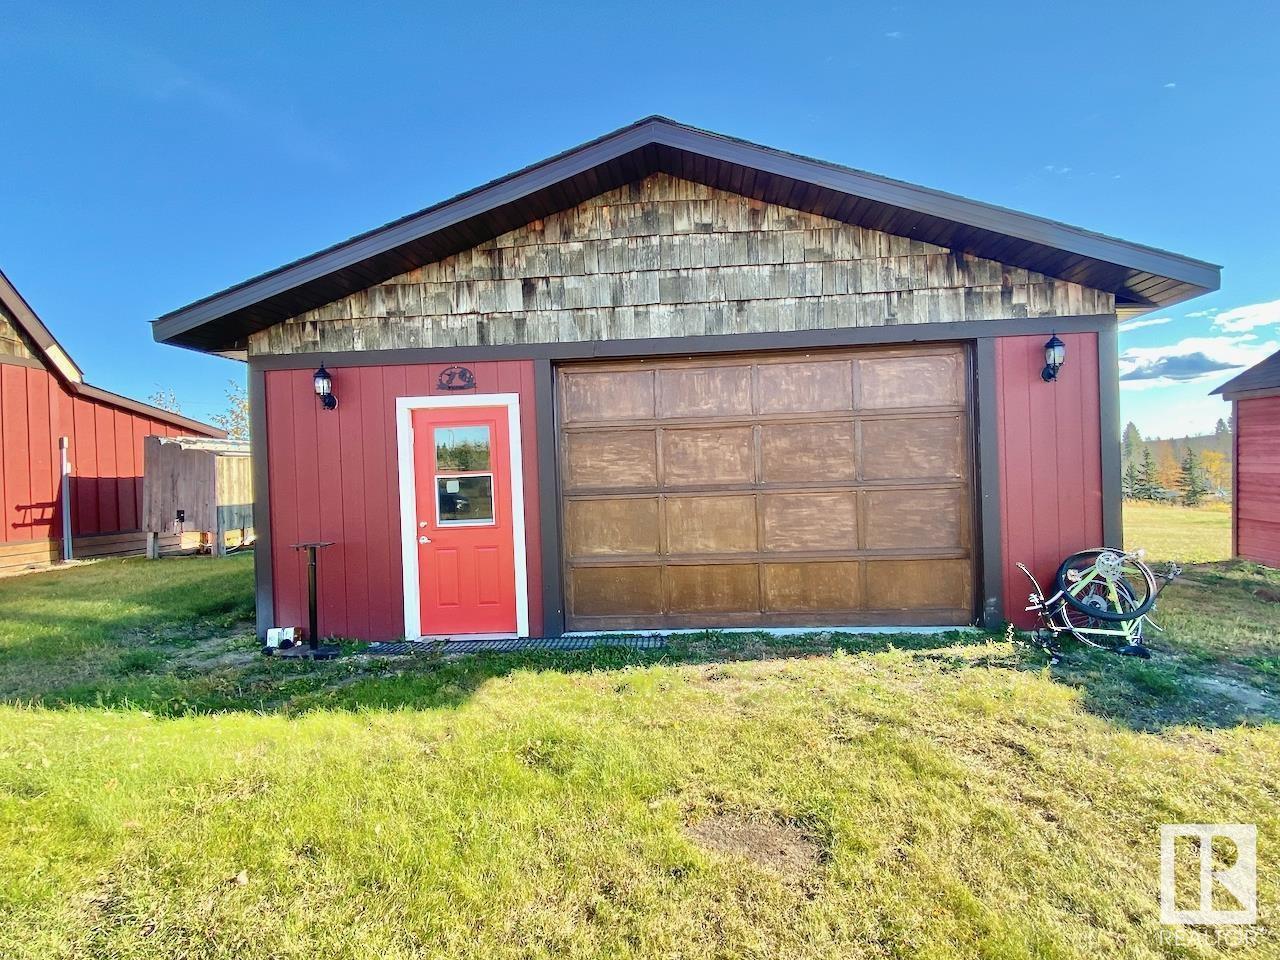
x=833, y=487
x=616, y=591
x=610, y=460
x=714, y=588
x=812, y=587
x=704, y=392
x=918, y=584
x=810, y=521
x=708, y=525
x=598, y=528
x=927, y=519
x=913, y=448
x=703, y=456
x=808, y=452
x=814, y=386
x=607, y=395
x=897, y=382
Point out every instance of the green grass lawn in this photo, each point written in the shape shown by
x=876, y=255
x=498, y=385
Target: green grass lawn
x=165, y=791
x=1185, y=534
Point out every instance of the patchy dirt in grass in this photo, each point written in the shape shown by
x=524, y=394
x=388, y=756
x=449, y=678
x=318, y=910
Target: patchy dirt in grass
x=221, y=652
x=47, y=567
x=1241, y=696
x=782, y=848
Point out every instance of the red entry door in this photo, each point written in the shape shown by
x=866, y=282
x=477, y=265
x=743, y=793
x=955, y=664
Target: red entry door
x=464, y=528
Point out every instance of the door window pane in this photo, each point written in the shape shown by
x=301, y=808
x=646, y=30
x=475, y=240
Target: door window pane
x=465, y=499
x=462, y=448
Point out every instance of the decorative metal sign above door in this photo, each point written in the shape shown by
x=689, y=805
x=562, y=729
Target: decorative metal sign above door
x=456, y=378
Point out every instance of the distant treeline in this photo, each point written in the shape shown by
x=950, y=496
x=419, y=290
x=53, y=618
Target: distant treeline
x=1185, y=470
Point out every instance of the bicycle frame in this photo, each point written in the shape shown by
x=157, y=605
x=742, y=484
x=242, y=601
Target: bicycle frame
x=1054, y=609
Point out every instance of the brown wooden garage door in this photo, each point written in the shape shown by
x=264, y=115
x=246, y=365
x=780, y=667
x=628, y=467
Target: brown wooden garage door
x=768, y=489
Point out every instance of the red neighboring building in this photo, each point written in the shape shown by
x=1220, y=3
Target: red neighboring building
x=43, y=398
x=672, y=379
x=1255, y=509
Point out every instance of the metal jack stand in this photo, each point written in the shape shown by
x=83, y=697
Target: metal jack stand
x=314, y=649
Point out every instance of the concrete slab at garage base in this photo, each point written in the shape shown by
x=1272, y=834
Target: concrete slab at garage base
x=778, y=631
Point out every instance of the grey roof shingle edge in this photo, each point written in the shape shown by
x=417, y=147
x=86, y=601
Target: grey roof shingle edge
x=1264, y=375
x=657, y=130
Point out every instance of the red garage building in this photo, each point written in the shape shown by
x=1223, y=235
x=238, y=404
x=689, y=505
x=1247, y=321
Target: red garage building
x=44, y=399
x=1255, y=509
x=673, y=379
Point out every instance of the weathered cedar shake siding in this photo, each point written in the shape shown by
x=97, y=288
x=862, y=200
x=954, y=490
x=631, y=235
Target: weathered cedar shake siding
x=13, y=341
x=666, y=257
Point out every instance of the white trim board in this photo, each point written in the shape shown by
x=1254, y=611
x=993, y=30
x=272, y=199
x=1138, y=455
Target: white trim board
x=405, y=406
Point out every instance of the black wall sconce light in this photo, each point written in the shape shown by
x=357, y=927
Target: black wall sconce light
x=324, y=388
x=1055, y=355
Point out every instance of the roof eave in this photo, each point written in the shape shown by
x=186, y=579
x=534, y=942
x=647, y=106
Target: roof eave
x=1193, y=277
x=149, y=410
x=40, y=335
x=70, y=373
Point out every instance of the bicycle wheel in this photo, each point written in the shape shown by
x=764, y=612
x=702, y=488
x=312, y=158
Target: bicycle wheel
x=1093, y=631
x=1125, y=587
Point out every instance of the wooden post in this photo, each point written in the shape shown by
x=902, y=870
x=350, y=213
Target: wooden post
x=220, y=534
x=153, y=545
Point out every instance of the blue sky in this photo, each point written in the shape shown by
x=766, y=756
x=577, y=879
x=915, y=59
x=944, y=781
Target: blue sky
x=156, y=153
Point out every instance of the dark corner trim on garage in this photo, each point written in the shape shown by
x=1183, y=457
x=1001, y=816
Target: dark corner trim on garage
x=991, y=611
x=982, y=332
x=1109, y=412
x=264, y=589
x=549, y=499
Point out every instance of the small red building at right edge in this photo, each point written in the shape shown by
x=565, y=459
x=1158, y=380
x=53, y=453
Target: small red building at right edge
x=1255, y=515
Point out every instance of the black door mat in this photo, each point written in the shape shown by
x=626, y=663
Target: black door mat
x=441, y=648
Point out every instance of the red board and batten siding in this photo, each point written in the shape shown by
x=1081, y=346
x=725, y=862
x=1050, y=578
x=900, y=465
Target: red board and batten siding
x=333, y=476
x=1050, y=454
x=105, y=450
x=1257, y=488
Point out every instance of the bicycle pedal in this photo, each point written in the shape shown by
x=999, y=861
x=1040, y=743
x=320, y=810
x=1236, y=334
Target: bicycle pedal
x=1134, y=650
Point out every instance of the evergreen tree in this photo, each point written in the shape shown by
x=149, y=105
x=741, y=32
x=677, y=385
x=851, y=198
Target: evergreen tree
x=1192, y=481
x=1132, y=441
x=1222, y=438
x=1130, y=480
x=1145, y=488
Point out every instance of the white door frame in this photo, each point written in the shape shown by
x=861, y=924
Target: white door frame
x=413, y=626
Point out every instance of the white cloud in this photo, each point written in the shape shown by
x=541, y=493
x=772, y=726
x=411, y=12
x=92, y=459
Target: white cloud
x=1191, y=360
x=1145, y=322
x=1135, y=386
x=1241, y=319
x=894, y=34
x=1170, y=85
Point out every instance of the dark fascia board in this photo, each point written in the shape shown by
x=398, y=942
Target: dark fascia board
x=1262, y=378
x=947, y=206
x=1198, y=275
x=54, y=353
x=66, y=369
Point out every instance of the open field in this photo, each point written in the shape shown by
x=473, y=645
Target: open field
x=165, y=791
x=1185, y=534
